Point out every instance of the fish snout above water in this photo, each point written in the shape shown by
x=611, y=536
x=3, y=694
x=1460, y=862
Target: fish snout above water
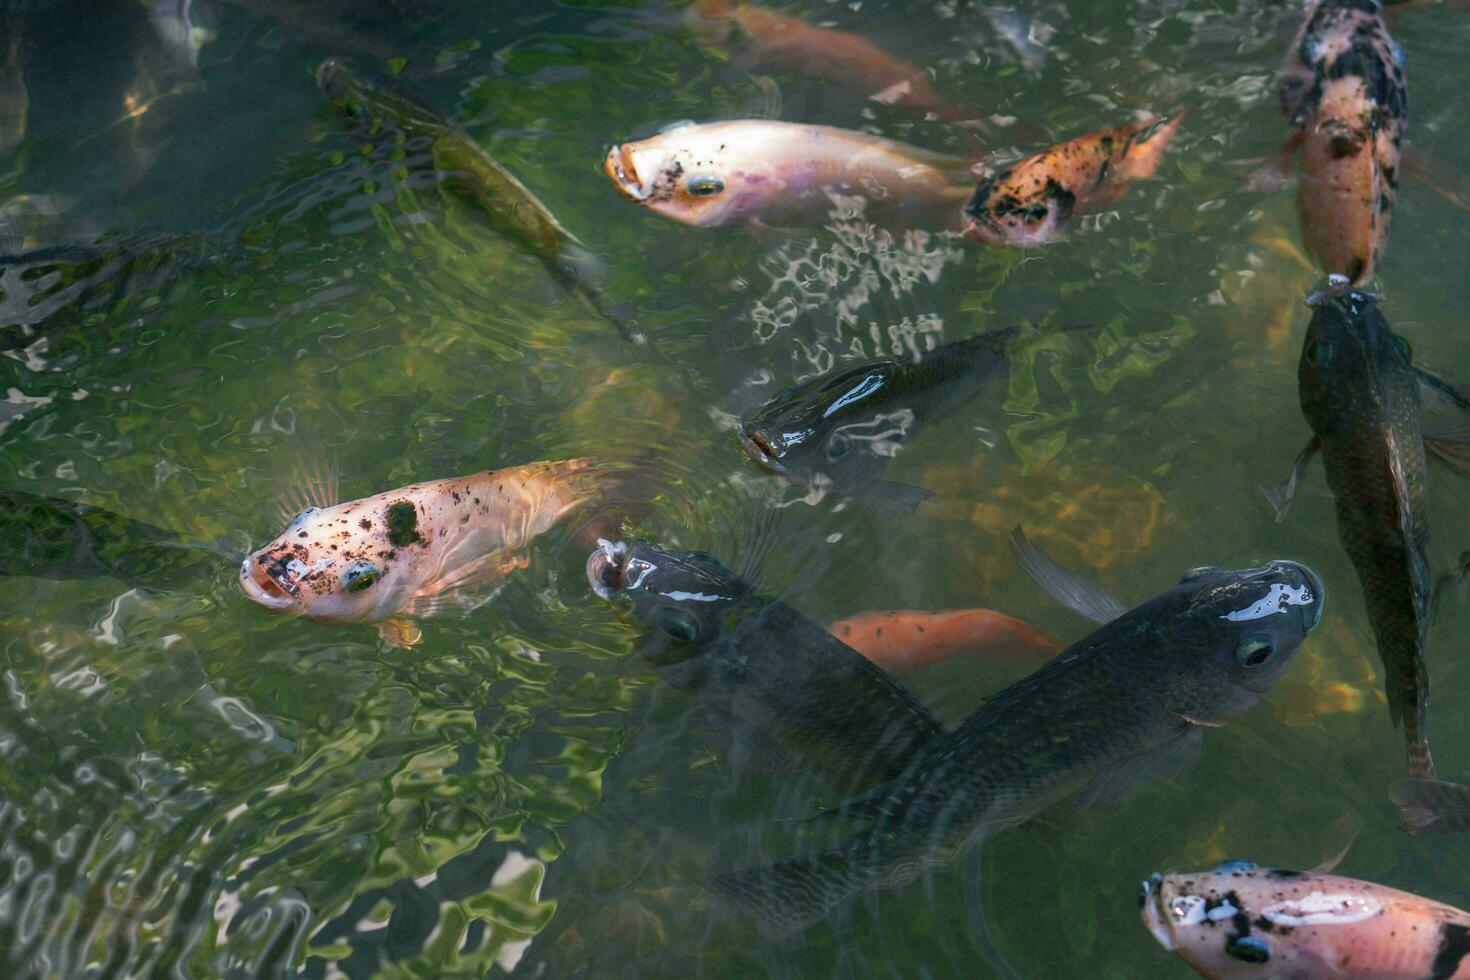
x=764, y=448
x=261, y=587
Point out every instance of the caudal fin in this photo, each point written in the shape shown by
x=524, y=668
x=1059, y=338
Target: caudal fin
x=1431, y=806
x=791, y=895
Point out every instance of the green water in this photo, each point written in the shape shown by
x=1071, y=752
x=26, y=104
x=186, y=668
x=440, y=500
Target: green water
x=192, y=786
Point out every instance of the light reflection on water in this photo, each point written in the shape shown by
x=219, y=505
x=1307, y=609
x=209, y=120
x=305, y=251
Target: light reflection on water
x=192, y=787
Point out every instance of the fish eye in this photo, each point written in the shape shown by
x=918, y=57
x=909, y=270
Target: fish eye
x=679, y=625
x=704, y=186
x=1254, y=652
x=1248, y=949
x=839, y=444
x=1035, y=213
x=360, y=576
x=1197, y=571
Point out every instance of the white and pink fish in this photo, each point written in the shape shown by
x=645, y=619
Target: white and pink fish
x=726, y=173
x=1239, y=920
x=407, y=553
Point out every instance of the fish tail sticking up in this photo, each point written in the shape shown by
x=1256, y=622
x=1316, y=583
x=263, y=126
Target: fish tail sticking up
x=791, y=895
x=1149, y=141
x=1431, y=806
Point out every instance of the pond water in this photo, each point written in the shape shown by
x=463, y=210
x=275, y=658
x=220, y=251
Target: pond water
x=193, y=786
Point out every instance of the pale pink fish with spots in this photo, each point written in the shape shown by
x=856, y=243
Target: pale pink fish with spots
x=407, y=553
x=1238, y=921
x=725, y=173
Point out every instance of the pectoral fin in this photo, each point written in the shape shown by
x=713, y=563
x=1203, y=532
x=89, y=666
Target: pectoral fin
x=468, y=586
x=400, y=632
x=1168, y=761
x=1279, y=495
x=887, y=500
x=1349, y=825
x=1077, y=592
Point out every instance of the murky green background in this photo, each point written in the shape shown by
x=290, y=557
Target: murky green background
x=192, y=786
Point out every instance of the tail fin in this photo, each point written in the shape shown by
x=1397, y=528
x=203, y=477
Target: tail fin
x=1431, y=806
x=791, y=895
x=581, y=272
x=1150, y=140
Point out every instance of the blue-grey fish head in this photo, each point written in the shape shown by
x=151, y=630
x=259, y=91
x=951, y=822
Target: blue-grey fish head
x=834, y=432
x=1229, y=635
x=678, y=599
x=1349, y=343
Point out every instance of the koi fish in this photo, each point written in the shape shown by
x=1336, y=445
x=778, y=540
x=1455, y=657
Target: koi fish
x=905, y=640
x=1343, y=90
x=1238, y=920
x=725, y=173
x=1032, y=201
x=408, y=553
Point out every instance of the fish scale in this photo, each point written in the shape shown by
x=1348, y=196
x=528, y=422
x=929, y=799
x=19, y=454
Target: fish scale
x=1122, y=706
x=1359, y=393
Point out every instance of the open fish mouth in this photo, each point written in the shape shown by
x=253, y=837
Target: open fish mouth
x=979, y=226
x=759, y=447
x=621, y=166
x=605, y=567
x=262, y=588
x=1154, y=914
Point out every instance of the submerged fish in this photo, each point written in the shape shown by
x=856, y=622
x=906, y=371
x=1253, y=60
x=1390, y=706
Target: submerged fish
x=724, y=173
x=839, y=432
x=904, y=640
x=1032, y=201
x=1238, y=920
x=47, y=537
x=1359, y=393
x=1125, y=705
x=407, y=553
x=15, y=98
x=1343, y=90
x=775, y=682
x=381, y=111
x=762, y=38
x=1432, y=806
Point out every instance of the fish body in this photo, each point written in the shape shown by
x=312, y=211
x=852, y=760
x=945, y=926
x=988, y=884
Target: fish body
x=1360, y=395
x=1125, y=704
x=1343, y=90
x=1032, y=201
x=384, y=112
x=840, y=431
x=904, y=640
x=723, y=173
x=405, y=552
x=762, y=38
x=1238, y=920
x=47, y=537
x=764, y=668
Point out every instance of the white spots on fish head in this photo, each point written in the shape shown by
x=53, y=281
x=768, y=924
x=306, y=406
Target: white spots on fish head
x=1187, y=910
x=1323, y=909
x=1276, y=600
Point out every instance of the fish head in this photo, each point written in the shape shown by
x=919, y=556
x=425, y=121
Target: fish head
x=1234, y=633
x=695, y=174
x=1240, y=920
x=834, y=432
x=354, y=562
x=376, y=107
x=678, y=598
x=1019, y=206
x=1349, y=342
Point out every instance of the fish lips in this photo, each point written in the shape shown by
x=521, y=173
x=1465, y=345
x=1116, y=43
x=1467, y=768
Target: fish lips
x=762, y=450
x=264, y=589
x=1155, y=916
x=621, y=167
x=605, y=568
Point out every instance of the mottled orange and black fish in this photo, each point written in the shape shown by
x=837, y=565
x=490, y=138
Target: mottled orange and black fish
x=1343, y=90
x=1032, y=201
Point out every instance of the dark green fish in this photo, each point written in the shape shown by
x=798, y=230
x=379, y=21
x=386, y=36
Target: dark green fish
x=46, y=537
x=784, y=689
x=839, y=432
x=1123, y=706
x=382, y=111
x=1359, y=392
